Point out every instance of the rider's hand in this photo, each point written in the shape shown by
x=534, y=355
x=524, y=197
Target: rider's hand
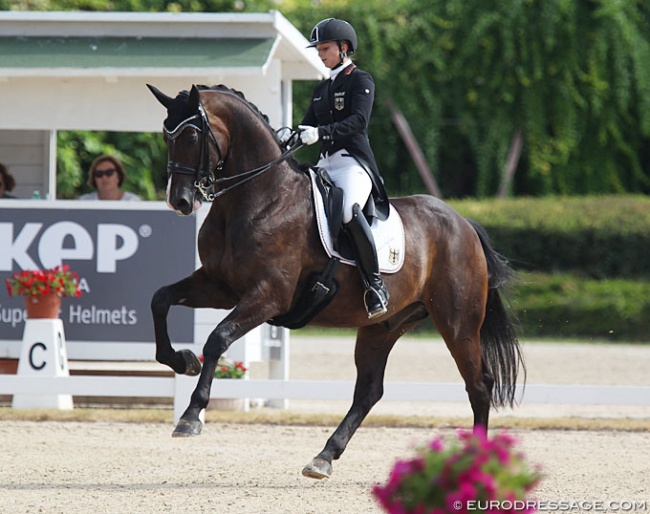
x=308, y=135
x=283, y=135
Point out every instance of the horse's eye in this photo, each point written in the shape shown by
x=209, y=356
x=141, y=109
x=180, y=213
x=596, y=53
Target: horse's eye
x=194, y=138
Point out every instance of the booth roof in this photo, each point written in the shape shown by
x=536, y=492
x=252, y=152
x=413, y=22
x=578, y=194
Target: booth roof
x=132, y=52
x=40, y=44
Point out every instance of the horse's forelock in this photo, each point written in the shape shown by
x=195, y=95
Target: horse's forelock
x=178, y=111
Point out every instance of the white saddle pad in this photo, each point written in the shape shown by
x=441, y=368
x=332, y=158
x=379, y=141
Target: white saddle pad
x=388, y=234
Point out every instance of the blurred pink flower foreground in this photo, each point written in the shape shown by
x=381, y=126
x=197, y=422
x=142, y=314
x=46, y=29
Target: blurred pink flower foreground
x=468, y=473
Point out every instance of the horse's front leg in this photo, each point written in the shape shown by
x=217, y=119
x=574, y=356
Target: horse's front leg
x=371, y=352
x=194, y=291
x=237, y=324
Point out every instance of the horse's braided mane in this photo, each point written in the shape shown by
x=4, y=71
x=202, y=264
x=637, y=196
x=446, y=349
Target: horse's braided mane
x=226, y=89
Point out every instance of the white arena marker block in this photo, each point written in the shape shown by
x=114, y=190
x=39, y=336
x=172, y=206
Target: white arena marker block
x=43, y=354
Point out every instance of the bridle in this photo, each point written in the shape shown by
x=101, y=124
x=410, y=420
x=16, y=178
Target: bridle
x=206, y=179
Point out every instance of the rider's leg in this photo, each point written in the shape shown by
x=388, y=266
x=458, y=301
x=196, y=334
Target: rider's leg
x=346, y=173
x=376, y=295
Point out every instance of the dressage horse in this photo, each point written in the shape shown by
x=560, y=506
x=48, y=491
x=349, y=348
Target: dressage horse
x=259, y=244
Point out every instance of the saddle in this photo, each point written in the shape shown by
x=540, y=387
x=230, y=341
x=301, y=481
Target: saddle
x=328, y=207
x=321, y=287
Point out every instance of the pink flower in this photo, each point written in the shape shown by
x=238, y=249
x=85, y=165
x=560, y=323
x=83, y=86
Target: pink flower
x=445, y=478
x=437, y=445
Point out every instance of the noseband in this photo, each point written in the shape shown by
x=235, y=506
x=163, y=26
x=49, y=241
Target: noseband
x=205, y=178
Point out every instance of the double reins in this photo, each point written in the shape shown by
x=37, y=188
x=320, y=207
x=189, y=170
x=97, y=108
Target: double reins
x=206, y=179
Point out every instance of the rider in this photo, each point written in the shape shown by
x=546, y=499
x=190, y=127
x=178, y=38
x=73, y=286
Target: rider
x=338, y=116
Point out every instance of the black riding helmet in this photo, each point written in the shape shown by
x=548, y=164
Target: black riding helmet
x=332, y=29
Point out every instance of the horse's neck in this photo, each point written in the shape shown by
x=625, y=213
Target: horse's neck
x=275, y=188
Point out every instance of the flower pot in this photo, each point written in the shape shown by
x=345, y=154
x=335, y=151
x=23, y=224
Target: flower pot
x=43, y=307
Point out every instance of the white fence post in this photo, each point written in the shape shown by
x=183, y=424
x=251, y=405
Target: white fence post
x=183, y=388
x=275, y=343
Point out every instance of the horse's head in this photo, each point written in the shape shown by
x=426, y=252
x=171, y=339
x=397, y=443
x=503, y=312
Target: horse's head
x=194, y=150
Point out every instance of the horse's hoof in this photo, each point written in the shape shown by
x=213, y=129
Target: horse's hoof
x=318, y=468
x=187, y=428
x=192, y=362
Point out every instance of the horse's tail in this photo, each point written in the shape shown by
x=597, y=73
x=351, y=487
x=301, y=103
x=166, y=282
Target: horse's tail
x=499, y=344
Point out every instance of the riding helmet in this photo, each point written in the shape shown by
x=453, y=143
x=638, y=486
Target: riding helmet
x=332, y=29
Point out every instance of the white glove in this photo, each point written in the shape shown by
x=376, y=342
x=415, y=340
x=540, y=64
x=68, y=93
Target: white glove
x=283, y=135
x=308, y=135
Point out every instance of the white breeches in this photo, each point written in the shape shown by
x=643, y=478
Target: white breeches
x=349, y=175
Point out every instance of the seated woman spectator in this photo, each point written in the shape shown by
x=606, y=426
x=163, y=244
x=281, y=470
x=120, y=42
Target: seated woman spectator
x=7, y=182
x=107, y=175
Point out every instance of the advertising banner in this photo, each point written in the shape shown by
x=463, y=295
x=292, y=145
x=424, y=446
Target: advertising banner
x=122, y=253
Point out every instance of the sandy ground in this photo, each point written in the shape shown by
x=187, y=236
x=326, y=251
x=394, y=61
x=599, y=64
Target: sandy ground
x=73, y=467
x=122, y=468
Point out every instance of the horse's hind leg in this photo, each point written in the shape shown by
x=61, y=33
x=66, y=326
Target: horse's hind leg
x=461, y=332
x=466, y=351
x=373, y=346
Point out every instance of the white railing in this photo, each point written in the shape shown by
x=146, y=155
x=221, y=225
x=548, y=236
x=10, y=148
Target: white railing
x=180, y=388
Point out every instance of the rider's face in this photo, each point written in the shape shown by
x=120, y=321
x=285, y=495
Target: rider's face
x=329, y=54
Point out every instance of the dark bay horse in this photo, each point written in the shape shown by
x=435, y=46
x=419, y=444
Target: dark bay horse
x=259, y=244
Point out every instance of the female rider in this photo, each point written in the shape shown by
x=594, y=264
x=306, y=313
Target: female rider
x=338, y=117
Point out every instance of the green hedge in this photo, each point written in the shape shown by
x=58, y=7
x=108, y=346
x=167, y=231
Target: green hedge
x=565, y=306
x=601, y=237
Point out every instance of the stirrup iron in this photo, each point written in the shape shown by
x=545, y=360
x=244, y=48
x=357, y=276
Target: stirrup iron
x=380, y=305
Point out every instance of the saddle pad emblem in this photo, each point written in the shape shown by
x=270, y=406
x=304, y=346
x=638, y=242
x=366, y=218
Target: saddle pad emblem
x=389, y=235
x=393, y=255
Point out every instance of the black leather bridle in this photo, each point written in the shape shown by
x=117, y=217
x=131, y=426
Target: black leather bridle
x=206, y=180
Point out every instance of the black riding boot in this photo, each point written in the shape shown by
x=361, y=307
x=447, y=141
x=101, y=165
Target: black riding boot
x=376, y=295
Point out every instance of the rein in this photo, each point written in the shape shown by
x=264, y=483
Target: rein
x=203, y=170
x=248, y=175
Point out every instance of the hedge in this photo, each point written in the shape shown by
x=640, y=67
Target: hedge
x=565, y=306
x=600, y=237
x=583, y=264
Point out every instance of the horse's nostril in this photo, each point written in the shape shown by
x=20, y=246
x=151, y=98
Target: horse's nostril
x=183, y=206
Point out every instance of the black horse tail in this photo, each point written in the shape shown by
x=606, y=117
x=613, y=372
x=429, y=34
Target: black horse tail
x=501, y=352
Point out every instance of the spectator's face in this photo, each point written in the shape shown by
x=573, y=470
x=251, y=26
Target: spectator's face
x=106, y=176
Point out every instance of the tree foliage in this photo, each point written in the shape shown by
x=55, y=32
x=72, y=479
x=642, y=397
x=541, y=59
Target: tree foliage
x=572, y=75
x=143, y=154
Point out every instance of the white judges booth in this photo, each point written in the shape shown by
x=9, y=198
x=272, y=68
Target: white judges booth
x=87, y=71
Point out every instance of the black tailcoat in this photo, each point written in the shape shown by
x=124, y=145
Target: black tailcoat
x=341, y=110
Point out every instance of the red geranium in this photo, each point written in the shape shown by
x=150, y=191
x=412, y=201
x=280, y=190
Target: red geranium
x=58, y=280
x=228, y=369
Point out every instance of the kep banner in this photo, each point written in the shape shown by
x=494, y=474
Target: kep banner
x=122, y=253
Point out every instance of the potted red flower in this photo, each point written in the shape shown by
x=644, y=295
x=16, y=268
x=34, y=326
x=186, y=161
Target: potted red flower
x=43, y=289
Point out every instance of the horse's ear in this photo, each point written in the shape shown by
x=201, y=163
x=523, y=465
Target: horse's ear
x=162, y=97
x=194, y=99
